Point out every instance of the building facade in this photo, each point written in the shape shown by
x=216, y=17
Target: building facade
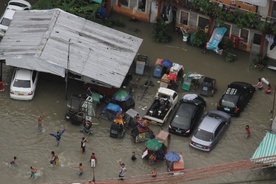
x=246, y=39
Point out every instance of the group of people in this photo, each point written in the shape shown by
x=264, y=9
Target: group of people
x=93, y=159
x=260, y=86
x=152, y=157
x=54, y=157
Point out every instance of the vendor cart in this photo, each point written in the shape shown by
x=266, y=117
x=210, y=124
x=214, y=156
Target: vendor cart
x=187, y=81
x=191, y=79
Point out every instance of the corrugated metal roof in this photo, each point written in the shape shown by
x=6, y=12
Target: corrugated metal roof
x=266, y=152
x=39, y=40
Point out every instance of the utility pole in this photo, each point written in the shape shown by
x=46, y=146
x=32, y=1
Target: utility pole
x=67, y=68
x=273, y=106
x=1, y=82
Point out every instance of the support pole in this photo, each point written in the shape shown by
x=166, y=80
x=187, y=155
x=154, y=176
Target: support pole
x=67, y=68
x=1, y=82
x=273, y=106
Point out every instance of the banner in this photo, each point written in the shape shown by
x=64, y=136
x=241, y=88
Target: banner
x=216, y=38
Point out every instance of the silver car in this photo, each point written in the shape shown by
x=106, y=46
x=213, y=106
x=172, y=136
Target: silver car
x=210, y=129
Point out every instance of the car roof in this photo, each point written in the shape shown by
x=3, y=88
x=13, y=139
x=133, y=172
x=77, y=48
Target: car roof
x=209, y=124
x=23, y=74
x=186, y=107
x=243, y=85
x=236, y=88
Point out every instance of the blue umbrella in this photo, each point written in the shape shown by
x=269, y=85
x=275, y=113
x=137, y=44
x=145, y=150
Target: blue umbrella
x=172, y=157
x=167, y=63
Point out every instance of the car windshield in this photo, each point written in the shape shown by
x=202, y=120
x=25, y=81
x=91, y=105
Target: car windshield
x=5, y=22
x=229, y=100
x=204, y=135
x=184, y=115
x=183, y=121
x=22, y=83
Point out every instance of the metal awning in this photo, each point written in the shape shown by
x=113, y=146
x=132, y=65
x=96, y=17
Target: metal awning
x=53, y=41
x=266, y=152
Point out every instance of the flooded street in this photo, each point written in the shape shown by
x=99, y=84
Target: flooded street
x=19, y=135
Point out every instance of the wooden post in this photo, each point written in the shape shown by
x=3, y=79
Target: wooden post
x=1, y=82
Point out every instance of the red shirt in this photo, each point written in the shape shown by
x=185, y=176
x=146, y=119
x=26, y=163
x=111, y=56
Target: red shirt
x=248, y=131
x=93, y=157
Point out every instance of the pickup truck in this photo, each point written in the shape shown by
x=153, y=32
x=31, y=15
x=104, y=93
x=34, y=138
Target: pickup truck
x=164, y=101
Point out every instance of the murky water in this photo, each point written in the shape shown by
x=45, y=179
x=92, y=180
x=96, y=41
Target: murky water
x=19, y=135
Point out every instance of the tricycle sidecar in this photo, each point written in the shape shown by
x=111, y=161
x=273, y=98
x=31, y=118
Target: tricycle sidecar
x=110, y=111
x=117, y=130
x=208, y=87
x=74, y=112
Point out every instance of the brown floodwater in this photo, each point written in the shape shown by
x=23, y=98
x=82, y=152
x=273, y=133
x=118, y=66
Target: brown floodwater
x=19, y=136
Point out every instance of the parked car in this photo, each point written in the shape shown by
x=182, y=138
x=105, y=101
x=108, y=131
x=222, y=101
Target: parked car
x=23, y=84
x=187, y=114
x=210, y=130
x=235, y=98
x=13, y=5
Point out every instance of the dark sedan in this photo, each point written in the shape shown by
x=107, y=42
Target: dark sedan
x=235, y=98
x=187, y=114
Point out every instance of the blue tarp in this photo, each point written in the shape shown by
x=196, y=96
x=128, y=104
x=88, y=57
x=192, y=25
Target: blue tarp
x=216, y=38
x=167, y=63
x=113, y=108
x=266, y=152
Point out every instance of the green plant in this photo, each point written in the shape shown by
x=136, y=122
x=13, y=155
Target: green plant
x=230, y=57
x=273, y=29
x=200, y=38
x=160, y=31
x=201, y=5
x=263, y=26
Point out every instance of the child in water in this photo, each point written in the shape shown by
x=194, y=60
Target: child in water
x=247, y=131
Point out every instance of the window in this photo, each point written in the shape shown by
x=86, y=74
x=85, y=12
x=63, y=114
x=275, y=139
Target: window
x=184, y=17
x=244, y=34
x=228, y=27
x=123, y=3
x=219, y=129
x=142, y=5
x=202, y=22
x=273, y=13
x=257, y=39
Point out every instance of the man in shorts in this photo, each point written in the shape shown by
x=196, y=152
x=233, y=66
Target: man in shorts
x=122, y=170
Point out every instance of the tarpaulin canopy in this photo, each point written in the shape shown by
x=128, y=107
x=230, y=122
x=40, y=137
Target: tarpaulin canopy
x=266, y=152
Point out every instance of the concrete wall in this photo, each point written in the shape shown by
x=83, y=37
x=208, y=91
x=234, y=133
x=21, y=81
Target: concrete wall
x=192, y=25
x=263, y=11
x=132, y=10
